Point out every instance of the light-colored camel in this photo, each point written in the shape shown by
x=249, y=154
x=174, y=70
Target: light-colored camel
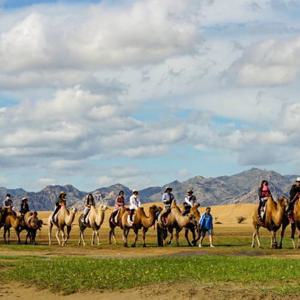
x=113, y=224
x=140, y=221
x=95, y=220
x=64, y=219
x=177, y=221
x=274, y=216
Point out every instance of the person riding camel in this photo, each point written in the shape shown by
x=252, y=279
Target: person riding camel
x=294, y=195
x=24, y=206
x=89, y=202
x=119, y=203
x=8, y=205
x=167, y=199
x=189, y=201
x=134, y=203
x=61, y=200
x=263, y=194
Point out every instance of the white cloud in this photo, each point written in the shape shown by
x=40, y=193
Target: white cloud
x=270, y=62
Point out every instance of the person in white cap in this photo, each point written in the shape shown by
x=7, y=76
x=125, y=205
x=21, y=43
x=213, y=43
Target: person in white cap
x=134, y=203
x=294, y=195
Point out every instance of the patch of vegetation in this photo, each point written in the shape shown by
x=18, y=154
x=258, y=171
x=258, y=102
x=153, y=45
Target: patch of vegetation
x=72, y=274
x=241, y=219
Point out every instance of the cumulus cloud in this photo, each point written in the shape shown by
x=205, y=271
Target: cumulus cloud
x=99, y=36
x=271, y=62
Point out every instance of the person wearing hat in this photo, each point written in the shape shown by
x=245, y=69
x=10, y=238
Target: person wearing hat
x=167, y=199
x=294, y=195
x=89, y=202
x=189, y=202
x=24, y=206
x=119, y=203
x=8, y=204
x=61, y=200
x=134, y=203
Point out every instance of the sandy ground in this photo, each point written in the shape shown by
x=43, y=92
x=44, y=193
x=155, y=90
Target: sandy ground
x=158, y=292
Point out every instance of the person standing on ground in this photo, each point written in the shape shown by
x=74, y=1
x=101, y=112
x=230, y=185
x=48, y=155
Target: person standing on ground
x=206, y=226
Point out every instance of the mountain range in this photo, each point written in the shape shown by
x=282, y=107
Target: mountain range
x=238, y=188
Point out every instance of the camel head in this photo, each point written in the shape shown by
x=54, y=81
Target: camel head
x=283, y=202
x=103, y=207
x=173, y=205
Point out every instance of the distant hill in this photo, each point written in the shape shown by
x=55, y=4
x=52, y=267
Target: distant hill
x=238, y=188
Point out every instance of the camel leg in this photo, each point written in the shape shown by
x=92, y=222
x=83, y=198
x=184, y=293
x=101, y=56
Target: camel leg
x=144, y=236
x=293, y=228
x=81, y=237
x=136, y=231
x=273, y=240
x=63, y=237
x=125, y=236
x=171, y=236
x=18, y=236
x=4, y=235
x=93, y=237
x=186, y=234
x=57, y=236
x=98, y=238
x=50, y=232
x=177, y=237
x=112, y=235
x=282, y=236
x=298, y=243
x=67, y=236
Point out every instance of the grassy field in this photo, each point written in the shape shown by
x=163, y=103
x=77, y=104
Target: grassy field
x=233, y=263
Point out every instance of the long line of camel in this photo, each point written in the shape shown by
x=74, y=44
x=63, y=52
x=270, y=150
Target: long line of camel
x=275, y=218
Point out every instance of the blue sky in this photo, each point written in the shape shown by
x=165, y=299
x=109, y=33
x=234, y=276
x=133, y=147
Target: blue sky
x=146, y=92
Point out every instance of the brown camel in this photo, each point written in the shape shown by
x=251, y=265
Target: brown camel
x=176, y=221
x=95, y=220
x=11, y=221
x=140, y=221
x=296, y=225
x=274, y=217
x=32, y=224
x=113, y=224
x=64, y=218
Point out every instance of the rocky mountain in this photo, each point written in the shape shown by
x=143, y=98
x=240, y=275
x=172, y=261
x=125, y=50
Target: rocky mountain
x=238, y=188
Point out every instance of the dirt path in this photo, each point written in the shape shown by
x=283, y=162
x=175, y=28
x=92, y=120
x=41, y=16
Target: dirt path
x=159, y=292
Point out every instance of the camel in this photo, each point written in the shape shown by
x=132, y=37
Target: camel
x=176, y=221
x=64, y=218
x=32, y=224
x=95, y=220
x=113, y=224
x=274, y=217
x=296, y=224
x=140, y=221
x=11, y=221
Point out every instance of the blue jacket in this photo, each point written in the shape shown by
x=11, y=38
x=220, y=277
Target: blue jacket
x=206, y=221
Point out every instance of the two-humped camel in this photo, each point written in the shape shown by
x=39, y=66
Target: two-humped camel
x=64, y=219
x=274, y=217
x=95, y=220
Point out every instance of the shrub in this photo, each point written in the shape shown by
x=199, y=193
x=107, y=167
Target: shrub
x=241, y=219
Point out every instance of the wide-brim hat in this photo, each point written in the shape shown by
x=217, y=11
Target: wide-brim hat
x=135, y=191
x=62, y=194
x=298, y=179
x=24, y=198
x=190, y=191
x=168, y=188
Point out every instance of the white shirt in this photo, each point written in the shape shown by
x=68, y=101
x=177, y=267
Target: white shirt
x=134, y=202
x=190, y=200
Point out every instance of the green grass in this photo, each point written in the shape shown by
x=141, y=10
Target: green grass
x=71, y=274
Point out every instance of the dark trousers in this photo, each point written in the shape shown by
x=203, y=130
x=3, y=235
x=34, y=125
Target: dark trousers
x=187, y=210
